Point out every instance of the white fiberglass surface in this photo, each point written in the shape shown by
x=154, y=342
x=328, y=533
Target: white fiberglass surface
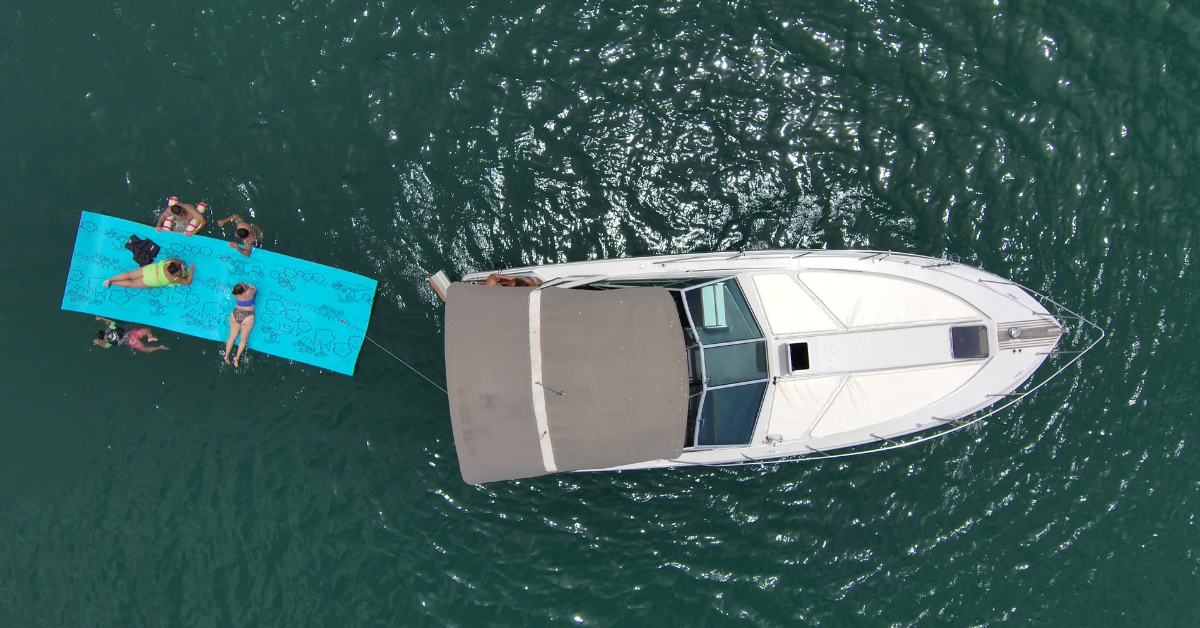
x=797, y=404
x=789, y=309
x=873, y=398
x=866, y=300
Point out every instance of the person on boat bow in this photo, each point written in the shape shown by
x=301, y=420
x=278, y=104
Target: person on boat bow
x=496, y=279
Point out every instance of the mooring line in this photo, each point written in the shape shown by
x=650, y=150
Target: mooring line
x=406, y=364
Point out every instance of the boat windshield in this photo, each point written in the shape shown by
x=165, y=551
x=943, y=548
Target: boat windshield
x=728, y=415
x=729, y=365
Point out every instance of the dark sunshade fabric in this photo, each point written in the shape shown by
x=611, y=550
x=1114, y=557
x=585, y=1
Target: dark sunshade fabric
x=488, y=378
x=619, y=356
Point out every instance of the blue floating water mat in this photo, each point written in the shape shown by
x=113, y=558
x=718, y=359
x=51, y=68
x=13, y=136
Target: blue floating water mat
x=305, y=311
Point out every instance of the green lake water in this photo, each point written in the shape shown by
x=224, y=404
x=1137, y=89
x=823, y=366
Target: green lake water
x=1051, y=143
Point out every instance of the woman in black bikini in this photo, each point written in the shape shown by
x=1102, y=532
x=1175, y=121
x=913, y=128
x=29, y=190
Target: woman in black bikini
x=241, y=320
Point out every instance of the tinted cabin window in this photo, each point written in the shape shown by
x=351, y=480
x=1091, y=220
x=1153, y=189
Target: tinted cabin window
x=729, y=414
x=733, y=364
x=969, y=342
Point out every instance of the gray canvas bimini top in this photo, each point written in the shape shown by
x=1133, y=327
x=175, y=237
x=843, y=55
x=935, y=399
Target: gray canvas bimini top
x=617, y=356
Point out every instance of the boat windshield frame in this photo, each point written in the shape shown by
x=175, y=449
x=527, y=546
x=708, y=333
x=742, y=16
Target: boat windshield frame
x=696, y=347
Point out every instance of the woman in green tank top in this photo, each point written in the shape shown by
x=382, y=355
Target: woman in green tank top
x=157, y=275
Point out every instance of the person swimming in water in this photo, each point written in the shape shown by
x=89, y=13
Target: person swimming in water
x=241, y=320
x=182, y=217
x=157, y=275
x=114, y=335
x=249, y=236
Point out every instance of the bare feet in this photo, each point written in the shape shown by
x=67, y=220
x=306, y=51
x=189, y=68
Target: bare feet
x=153, y=339
x=235, y=360
x=106, y=282
x=227, y=358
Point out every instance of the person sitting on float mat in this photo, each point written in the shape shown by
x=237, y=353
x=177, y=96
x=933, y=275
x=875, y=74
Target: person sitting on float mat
x=170, y=272
x=117, y=336
x=182, y=217
x=249, y=236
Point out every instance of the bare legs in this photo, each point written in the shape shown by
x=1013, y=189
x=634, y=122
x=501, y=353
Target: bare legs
x=150, y=338
x=131, y=279
x=247, y=325
x=235, y=328
x=137, y=337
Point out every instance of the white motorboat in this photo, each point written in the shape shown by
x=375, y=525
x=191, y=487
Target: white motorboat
x=734, y=358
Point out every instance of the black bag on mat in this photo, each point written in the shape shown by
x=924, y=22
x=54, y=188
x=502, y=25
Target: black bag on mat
x=144, y=251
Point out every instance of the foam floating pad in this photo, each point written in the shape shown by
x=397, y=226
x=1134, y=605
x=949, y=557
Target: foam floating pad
x=305, y=311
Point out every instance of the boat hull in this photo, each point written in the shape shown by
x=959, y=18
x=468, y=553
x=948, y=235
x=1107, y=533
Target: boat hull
x=874, y=382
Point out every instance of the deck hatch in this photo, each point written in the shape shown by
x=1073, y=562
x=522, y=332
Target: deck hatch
x=798, y=356
x=969, y=342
